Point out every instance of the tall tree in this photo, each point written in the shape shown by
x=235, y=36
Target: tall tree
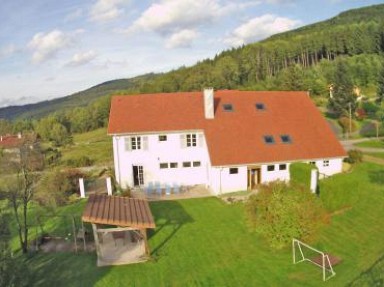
x=343, y=100
x=380, y=85
x=19, y=177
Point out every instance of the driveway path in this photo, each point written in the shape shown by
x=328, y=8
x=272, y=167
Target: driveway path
x=350, y=144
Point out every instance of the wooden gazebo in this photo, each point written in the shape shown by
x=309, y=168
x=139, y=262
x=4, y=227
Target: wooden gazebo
x=119, y=227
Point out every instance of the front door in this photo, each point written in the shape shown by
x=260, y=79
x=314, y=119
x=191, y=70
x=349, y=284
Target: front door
x=138, y=175
x=253, y=177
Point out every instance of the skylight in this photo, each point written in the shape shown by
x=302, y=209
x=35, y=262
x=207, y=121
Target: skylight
x=286, y=139
x=260, y=106
x=228, y=107
x=269, y=140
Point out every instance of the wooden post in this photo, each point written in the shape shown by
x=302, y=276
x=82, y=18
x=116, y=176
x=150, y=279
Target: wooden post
x=313, y=184
x=82, y=189
x=144, y=233
x=97, y=244
x=74, y=232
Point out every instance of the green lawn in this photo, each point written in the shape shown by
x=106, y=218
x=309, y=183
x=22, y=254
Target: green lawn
x=205, y=242
x=96, y=145
x=376, y=154
x=371, y=143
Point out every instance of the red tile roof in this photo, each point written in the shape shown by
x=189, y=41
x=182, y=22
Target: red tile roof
x=233, y=137
x=9, y=141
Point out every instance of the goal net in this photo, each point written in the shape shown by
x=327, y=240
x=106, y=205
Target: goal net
x=303, y=252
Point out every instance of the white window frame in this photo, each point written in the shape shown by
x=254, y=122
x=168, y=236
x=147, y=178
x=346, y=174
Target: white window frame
x=136, y=143
x=325, y=163
x=274, y=168
x=163, y=165
x=191, y=140
x=164, y=138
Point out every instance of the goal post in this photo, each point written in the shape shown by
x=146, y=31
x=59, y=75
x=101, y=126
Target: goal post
x=303, y=252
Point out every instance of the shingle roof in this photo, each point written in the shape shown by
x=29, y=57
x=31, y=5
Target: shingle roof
x=117, y=210
x=236, y=137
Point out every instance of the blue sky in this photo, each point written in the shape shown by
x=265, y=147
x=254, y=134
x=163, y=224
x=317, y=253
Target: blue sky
x=50, y=49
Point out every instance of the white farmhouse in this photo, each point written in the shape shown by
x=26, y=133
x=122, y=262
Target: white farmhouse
x=227, y=140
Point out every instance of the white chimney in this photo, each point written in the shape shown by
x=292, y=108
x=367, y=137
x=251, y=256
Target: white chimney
x=209, y=109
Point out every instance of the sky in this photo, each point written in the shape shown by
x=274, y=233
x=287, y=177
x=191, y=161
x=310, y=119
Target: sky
x=51, y=49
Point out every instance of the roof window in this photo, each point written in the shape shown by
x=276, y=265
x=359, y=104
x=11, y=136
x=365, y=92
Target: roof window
x=260, y=106
x=228, y=107
x=286, y=139
x=269, y=140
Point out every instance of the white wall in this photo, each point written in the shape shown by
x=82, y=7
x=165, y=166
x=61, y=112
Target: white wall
x=334, y=166
x=268, y=176
x=221, y=181
x=162, y=152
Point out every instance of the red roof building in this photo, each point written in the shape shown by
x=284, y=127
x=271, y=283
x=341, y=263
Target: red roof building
x=238, y=129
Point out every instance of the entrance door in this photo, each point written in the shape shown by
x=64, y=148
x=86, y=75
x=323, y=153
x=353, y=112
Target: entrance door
x=138, y=175
x=254, y=177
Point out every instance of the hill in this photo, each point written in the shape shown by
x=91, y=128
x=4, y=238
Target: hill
x=301, y=59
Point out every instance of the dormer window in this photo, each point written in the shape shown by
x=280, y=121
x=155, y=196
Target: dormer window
x=227, y=107
x=260, y=106
x=286, y=139
x=269, y=139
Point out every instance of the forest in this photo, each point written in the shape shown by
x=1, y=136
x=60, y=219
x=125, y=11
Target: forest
x=310, y=58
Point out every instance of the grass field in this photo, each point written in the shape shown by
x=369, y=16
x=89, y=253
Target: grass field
x=372, y=143
x=376, y=154
x=204, y=242
x=96, y=145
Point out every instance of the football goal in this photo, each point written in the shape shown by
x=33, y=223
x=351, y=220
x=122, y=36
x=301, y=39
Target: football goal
x=303, y=252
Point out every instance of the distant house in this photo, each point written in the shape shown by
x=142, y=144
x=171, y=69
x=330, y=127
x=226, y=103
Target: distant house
x=10, y=143
x=227, y=140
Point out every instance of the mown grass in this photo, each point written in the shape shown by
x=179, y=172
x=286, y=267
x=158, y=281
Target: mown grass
x=371, y=143
x=96, y=145
x=376, y=154
x=205, y=242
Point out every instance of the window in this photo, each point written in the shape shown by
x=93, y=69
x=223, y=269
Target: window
x=136, y=143
x=186, y=164
x=196, y=163
x=270, y=167
x=260, y=106
x=233, y=170
x=269, y=140
x=282, y=166
x=228, y=107
x=312, y=162
x=326, y=163
x=162, y=138
x=163, y=165
x=191, y=140
x=173, y=165
x=286, y=139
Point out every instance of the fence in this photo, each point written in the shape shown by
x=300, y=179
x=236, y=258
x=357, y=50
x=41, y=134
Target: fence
x=99, y=185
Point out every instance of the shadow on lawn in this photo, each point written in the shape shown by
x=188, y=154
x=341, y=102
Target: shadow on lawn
x=373, y=276
x=167, y=214
x=377, y=176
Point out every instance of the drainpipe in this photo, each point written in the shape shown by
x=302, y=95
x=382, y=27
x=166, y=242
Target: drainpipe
x=221, y=169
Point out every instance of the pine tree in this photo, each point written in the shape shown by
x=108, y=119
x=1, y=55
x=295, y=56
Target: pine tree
x=344, y=100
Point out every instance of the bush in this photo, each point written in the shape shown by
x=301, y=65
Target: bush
x=55, y=188
x=79, y=162
x=370, y=130
x=344, y=122
x=280, y=212
x=300, y=173
x=354, y=156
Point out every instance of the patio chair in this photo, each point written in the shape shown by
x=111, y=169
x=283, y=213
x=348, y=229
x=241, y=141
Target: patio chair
x=176, y=188
x=167, y=189
x=158, y=188
x=149, y=188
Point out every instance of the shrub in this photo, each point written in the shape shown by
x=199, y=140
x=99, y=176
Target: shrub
x=300, y=173
x=79, y=162
x=370, y=130
x=344, y=122
x=370, y=108
x=354, y=156
x=280, y=212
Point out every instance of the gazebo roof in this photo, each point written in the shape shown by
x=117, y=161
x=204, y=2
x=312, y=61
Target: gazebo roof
x=117, y=210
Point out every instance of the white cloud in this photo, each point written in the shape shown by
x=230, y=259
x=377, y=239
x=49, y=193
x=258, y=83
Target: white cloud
x=181, y=39
x=106, y=10
x=170, y=16
x=259, y=28
x=80, y=59
x=46, y=45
